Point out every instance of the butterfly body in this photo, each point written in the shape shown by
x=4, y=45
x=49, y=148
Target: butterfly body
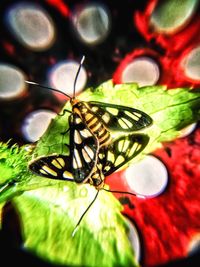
x=91, y=119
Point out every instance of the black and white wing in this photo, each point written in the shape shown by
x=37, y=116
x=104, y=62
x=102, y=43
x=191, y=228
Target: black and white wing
x=84, y=147
x=54, y=167
x=121, y=118
x=121, y=151
x=79, y=165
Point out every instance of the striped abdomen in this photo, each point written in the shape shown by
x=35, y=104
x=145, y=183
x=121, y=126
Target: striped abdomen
x=97, y=128
x=93, y=123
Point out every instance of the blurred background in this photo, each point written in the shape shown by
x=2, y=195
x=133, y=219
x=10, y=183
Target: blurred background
x=148, y=42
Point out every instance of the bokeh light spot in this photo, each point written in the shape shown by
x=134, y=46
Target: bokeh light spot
x=134, y=239
x=187, y=130
x=11, y=82
x=142, y=70
x=191, y=64
x=171, y=16
x=92, y=23
x=31, y=25
x=62, y=77
x=147, y=177
x=36, y=123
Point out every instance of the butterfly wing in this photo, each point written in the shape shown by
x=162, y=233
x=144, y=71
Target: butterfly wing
x=121, y=151
x=121, y=118
x=84, y=148
x=54, y=167
x=79, y=165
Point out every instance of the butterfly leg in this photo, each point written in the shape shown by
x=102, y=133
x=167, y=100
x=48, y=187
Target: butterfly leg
x=64, y=111
x=65, y=132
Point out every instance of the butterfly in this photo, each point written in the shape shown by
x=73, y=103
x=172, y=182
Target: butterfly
x=94, y=154
x=95, y=166
x=90, y=126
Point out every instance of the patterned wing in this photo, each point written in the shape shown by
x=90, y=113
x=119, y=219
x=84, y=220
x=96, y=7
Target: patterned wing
x=121, y=151
x=121, y=118
x=79, y=165
x=54, y=167
x=84, y=148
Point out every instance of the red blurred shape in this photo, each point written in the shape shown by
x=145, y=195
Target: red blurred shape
x=173, y=42
x=10, y=48
x=169, y=222
x=140, y=52
x=61, y=6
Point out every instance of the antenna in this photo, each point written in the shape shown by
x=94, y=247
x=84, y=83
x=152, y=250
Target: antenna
x=123, y=192
x=76, y=227
x=46, y=87
x=58, y=91
x=76, y=77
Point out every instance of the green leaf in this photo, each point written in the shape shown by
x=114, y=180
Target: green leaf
x=50, y=214
x=50, y=209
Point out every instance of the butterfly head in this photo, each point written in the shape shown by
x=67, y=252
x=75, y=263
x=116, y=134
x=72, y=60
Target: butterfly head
x=78, y=105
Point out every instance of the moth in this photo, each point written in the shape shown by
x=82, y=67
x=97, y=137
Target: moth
x=94, y=165
x=94, y=154
x=90, y=126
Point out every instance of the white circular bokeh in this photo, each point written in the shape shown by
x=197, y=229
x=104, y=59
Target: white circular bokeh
x=187, y=130
x=36, y=123
x=191, y=64
x=148, y=177
x=134, y=239
x=12, y=83
x=92, y=23
x=142, y=70
x=62, y=77
x=31, y=25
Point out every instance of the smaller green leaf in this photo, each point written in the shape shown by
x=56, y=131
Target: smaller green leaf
x=13, y=163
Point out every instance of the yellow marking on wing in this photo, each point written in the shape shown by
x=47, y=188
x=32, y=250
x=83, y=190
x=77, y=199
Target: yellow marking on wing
x=89, y=151
x=43, y=172
x=58, y=163
x=123, y=145
x=106, y=117
x=94, y=109
x=101, y=132
x=111, y=156
x=77, y=159
x=119, y=160
x=77, y=137
x=78, y=120
x=134, y=115
x=49, y=170
x=125, y=124
x=61, y=161
x=113, y=111
x=107, y=168
x=67, y=174
x=134, y=148
x=85, y=133
x=86, y=156
x=74, y=164
x=120, y=145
